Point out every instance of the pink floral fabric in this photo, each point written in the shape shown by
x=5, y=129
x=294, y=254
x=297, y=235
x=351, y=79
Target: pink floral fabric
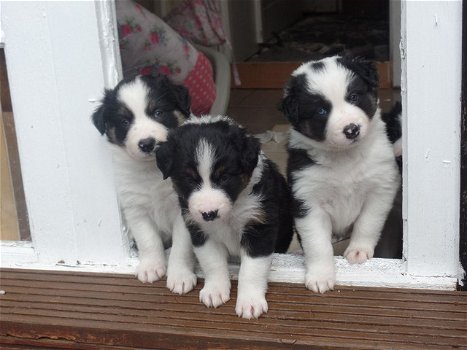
x=201, y=89
x=148, y=45
x=199, y=21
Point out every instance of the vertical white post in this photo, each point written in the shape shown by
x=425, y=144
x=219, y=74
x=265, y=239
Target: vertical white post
x=431, y=82
x=58, y=66
x=394, y=40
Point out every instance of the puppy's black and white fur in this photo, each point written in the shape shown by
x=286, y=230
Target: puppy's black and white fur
x=341, y=167
x=234, y=202
x=136, y=117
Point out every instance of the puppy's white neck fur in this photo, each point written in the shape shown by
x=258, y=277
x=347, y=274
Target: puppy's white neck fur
x=125, y=161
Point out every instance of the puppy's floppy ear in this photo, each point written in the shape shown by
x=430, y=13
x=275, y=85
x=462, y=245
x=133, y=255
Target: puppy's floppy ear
x=365, y=69
x=98, y=117
x=248, y=147
x=250, y=153
x=164, y=157
x=289, y=106
x=183, y=99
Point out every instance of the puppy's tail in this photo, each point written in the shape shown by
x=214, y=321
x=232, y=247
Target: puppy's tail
x=392, y=119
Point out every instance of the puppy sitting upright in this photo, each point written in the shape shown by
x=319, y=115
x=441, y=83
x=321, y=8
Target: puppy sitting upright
x=234, y=202
x=136, y=116
x=341, y=165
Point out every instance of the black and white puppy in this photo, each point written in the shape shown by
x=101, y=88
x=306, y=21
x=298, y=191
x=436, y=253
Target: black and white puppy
x=341, y=167
x=136, y=116
x=234, y=202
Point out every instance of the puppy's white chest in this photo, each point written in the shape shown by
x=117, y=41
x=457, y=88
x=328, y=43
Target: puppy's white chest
x=344, y=200
x=143, y=192
x=224, y=234
x=341, y=188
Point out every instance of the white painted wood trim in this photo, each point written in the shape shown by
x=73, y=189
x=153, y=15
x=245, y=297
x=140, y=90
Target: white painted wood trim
x=108, y=40
x=258, y=20
x=56, y=73
x=288, y=268
x=2, y=35
x=394, y=41
x=17, y=252
x=431, y=52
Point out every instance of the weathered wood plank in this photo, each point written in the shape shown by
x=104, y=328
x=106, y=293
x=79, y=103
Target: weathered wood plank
x=89, y=311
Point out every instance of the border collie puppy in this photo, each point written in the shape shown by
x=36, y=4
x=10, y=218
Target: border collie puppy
x=341, y=167
x=234, y=202
x=136, y=117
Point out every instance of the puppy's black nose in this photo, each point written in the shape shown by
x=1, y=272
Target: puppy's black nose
x=210, y=215
x=147, y=145
x=351, y=131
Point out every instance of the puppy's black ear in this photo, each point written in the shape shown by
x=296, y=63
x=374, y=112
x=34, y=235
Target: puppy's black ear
x=247, y=146
x=164, y=158
x=290, y=103
x=365, y=69
x=251, y=153
x=183, y=99
x=289, y=106
x=98, y=117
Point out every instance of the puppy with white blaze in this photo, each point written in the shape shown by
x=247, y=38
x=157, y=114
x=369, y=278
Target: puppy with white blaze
x=136, y=116
x=341, y=166
x=234, y=202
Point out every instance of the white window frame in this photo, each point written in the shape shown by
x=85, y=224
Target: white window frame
x=61, y=55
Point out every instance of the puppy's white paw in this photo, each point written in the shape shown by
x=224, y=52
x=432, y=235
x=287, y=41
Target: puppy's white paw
x=319, y=278
x=251, y=305
x=215, y=294
x=180, y=281
x=358, y=253
x=150, y=270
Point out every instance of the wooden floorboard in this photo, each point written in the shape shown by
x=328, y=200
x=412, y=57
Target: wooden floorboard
x=64, y=310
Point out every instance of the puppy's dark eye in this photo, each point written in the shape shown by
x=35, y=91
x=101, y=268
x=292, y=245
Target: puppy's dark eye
x=124, y=122
x=353, y=98
x=322, y=112
x=224, y=177
x=158, y=113
x=191, y=175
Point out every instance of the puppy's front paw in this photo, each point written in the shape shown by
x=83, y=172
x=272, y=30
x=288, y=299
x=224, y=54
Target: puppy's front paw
x=181, y=281
x=215, y=294
x=320, y=279
x=358, y=253
x=251, y=305
x=150, y=270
